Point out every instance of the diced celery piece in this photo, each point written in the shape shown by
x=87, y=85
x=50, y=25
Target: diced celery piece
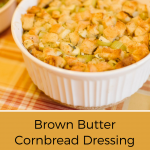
x=41, y=34
x=50, y=9
x=72, y=8
x=85, y=58
x=101, y=29
x=82, y=9
x=144, y=15
x=123, y=47
x=101, y=43
x=116, y=45
x=94, y=3
x=112, y=63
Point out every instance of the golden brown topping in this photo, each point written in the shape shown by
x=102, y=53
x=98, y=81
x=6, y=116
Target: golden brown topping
x=87, y=35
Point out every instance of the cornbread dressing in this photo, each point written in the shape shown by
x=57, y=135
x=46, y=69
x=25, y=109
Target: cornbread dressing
x=87, y=35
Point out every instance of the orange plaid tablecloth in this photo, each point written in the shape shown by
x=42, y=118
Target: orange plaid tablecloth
x=17, y=91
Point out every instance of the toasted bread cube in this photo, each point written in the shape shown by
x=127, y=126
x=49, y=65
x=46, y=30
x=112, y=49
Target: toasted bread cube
x=43, y=3
x=35, y=31
x=88, y=46
x=144, y=25
x=52, y=21
x=142, y=39
x=71, y=61
x=51, y=51
x=92, y=31
x=137, y=20
x=64, y=18
x=140, y=31
x=79, y=66
x=34, y=38
x=131, y=26
x=56, y=61
x=55, y=14
x=82, y=25
x=27, y=21
x=92, y=67
x=121, y=27
x=127, y=41
x=38, y=54
x=103, y=66
x=83, y=16
x=66, y=47
x=50, y=37
x=97, y=18
x=109, y=54
x=110, y=33
x=128, y=61
x=39, y=22
x=99, y=67
x=70, y=24
x=123, y=17
x=98, y=50
x=142, y=8
x=44, y=15
x=73, y=2
x=109, y=21
x=130, y=7
x=74, y=38
x=55, y=3
x=56, y=28
x=140, y=52
x=34, y=10
x=102, y=4
x=116, y=7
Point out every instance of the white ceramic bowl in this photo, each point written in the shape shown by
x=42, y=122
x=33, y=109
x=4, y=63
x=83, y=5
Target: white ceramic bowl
x=6, y=13
x=79, y=88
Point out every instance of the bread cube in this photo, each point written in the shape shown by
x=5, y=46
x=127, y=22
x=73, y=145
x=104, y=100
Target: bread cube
x=50, y=37
x=123, y=17
x=27, y=21
x=121, y=27
x=140, y=31
x=88, y=46
x=43, y=3
x=110, y=33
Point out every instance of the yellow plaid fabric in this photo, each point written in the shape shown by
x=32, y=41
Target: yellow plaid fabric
x=17, y=91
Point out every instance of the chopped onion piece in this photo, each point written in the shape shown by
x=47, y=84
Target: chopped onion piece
x=63, y=34
x=83, y=33
x=76, y=51
x=41, y=46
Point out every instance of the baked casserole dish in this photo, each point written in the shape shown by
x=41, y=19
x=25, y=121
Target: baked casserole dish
x=85, y=36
